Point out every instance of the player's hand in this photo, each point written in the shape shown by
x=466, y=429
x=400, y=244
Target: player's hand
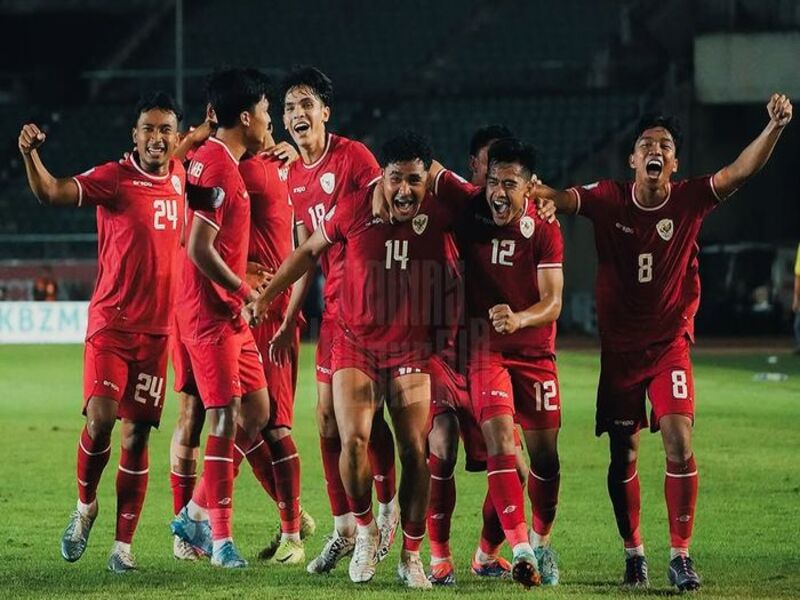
x=249, y=314
x=202, y=132
x=280, y=346
x=257, y=275
x=30, y=138
x=779, y=109
x=283, y=151
x=379, y=202
x=504, y=320
x=546, y=209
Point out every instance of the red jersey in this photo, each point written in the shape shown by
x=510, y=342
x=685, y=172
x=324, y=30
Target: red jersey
x=501, y=266
x=391, y=273
x=648, y=287
x=207, y=310
x=271, y=216
x=345, y=166
x=138, y=228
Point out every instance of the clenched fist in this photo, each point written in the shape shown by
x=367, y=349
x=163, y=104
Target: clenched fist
x=779, y=109
x=504, y=320
x=30, y=138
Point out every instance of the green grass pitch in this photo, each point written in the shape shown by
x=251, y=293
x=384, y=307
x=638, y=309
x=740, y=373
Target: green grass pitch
x=746, y=536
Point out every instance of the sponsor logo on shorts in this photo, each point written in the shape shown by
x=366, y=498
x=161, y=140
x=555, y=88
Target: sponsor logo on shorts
x=111, y=385
x=324, y=370
x=624, y=423
x=509, y=509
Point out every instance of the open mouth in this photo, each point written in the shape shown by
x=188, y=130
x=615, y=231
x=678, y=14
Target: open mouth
x=654, y=166
x=500, y=207
x=156, y=150
x=301, y=127
x=404, y=206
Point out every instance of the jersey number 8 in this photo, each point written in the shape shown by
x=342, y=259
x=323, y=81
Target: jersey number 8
x=645, y=267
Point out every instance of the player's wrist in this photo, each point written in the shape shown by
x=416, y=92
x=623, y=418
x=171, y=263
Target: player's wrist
x=244, y=292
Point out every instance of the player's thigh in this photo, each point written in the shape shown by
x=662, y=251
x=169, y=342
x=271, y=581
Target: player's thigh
x=328, y=331
x=355, y=400
x=409, y=400
x=490, y=389
x=143, y=400
x=671, y=390
x=537, y=396
x=215, y=364
x=621, y=394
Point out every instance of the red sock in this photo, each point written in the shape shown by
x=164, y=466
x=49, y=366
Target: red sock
x=623, y=489
x=506, y=490
x=132, y=477
x=543, y=493
x=260, y=459
x=242, y=444
x=199, y=494
x=361, y=508
x=441, y=506
x=680, y=489
x=218, y=478
x=381, y=461
x=182, y=489
x=331, y=450
x=286, y=466
x=492, y=535
x=413, y=534
x=92, y=459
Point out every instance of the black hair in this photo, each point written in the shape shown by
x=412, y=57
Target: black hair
x=512, y=150
x=312, y=78
x=233, y=91
x=671, y=124
x=407, y=146
x=160, y=100
x=484, y=135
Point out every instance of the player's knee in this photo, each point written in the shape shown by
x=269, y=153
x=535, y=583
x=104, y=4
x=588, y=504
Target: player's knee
x=135, y=438
x=100, y=426
x=326, y=421
x=545, y=464
x=442, y=446
x=355, y=444
x=679, y=451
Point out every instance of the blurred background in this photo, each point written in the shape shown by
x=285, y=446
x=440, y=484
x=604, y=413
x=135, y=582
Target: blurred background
x=572, y=77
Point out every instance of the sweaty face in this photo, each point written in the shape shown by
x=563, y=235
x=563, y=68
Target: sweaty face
x=156, y=137
x=507, y=189
x=259, y=127
x=405, y=185
x=304, y=116
x=653, y=157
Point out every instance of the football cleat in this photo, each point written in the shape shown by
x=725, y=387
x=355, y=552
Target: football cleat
x=76, y=535
x=365, y=558
x=335, y=549
x=182, y=550
x=228, y=557
x=682, y=575
x=411, y=572
x=498, y=567
x=636, y=572
x=272, y=546
x=443, y=573
x=548, y=565
x=308, y=526
x=289, y=552
x=524, y=569
x=195, y=533
x=388, y=529
x=121, y=561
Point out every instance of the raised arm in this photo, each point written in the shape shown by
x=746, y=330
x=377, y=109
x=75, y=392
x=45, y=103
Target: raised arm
x=48, y=189
x=544, y=312
x=565, y=201
x=294, y=267
x=730, y=178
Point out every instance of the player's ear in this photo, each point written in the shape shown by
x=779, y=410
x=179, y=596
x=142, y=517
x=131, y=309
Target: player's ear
x=133, y=136
x=675, y=168
x=631, y=162
x=473, y=164
x=326, y=113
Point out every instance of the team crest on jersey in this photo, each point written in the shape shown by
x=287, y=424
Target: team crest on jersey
x=419, y=223
x=176, y=184
x=526, y=227
x=283, y=174
x=665, y=228
x=328, y=182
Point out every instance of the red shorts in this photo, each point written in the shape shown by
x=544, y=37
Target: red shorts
x=662, y=371
x=182, y=365
x=281, y=379
x=521, y=386
x=348, y=354
x=130, y=368
x=328, y=331
x=226, y=368
x=449, y=394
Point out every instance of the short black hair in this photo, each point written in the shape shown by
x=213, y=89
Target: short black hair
x=312, y=78
x=512, y=150
x=157, y=99
x=233, y=91
x=484, y=135
x=407, y=146
x=670, y=123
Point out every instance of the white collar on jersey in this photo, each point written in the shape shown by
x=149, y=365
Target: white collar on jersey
x=650, y=208
x=145, y=173
x=324, y=153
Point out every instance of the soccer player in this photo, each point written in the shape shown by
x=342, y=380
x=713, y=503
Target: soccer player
x=225, y=361
x=648, y=292
x=479, y=151
x=393, y=262
x=138, y=203
x=332, y=166
x=512, y=260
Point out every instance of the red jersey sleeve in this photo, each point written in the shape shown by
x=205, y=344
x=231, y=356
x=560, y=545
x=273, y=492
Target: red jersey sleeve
x=363, y=166
x=214, y=175
x=549, y=246
x=98, y=185
x=336, y=223
x=594, y=198
x=703, y=196
x=254, y=175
